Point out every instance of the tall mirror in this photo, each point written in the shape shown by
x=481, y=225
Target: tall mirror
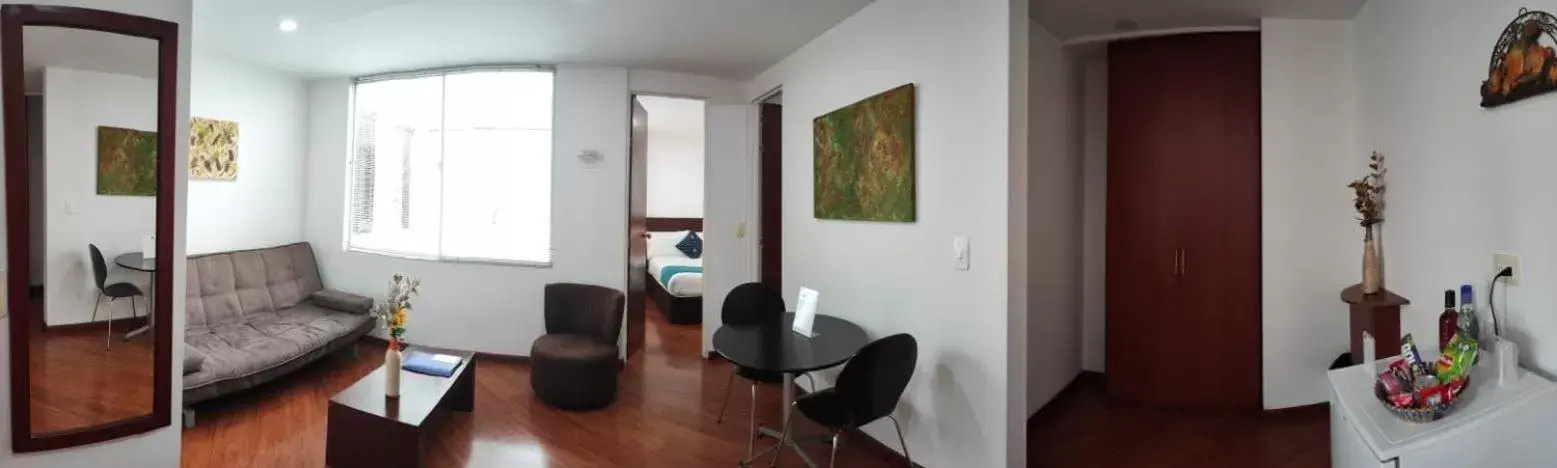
x=88, y=100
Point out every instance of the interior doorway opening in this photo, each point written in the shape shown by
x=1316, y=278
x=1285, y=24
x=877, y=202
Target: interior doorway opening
x=665, y=226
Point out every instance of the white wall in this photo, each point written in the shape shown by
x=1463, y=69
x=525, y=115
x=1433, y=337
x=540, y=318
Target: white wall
x=1094, y=210
x=76, y=103
x=964, y=404
x=1054, y=232
x=675, y=160
x=264, y=206
x=710, y=89
x=159, y=448
x=1464, y=182
x=730, y=219
x=1311, y=247
x=478, y=307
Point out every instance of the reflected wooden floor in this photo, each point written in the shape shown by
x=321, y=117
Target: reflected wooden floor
x=1080, y=428
x=664, y=417
x=77, y=383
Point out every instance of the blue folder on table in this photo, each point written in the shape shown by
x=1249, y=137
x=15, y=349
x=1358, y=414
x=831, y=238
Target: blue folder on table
x=440, y=365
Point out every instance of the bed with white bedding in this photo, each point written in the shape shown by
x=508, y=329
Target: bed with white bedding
x=675, y=280
x=680, y=283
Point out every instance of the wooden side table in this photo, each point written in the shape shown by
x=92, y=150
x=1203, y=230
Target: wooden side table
x=1377, y=314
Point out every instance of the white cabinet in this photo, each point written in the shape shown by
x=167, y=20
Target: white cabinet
x=1493, y=426
x=1347, y=449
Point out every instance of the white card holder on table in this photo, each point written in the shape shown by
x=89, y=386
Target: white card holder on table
x=805, y=312
x=149, y=247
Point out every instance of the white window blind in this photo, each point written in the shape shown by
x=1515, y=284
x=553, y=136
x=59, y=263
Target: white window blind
x=453, y=166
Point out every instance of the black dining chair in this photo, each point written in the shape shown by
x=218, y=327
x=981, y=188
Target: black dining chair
x=112, y=291
x=867, y=390
x=752, y=304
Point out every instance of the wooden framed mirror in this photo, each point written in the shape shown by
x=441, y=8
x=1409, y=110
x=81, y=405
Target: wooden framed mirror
x=90, y=101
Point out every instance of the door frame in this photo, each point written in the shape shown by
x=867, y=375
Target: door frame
x=632, y=99
x=762, y=178
x=754, y=175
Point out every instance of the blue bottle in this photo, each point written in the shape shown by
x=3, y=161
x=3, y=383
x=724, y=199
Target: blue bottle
x=1470, y=326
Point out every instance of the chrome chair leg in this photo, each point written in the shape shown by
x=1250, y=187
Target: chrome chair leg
x=831, y=459
x=900, y=441
x=94, y=305
x=108, y=336
x=751, y=428
x=727, y=386
x=783, y=436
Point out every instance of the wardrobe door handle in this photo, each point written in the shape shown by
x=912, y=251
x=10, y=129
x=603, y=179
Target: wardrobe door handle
x=1183, y=262
x=1175, y=262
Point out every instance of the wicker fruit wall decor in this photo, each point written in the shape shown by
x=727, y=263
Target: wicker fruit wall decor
x=1523, y=60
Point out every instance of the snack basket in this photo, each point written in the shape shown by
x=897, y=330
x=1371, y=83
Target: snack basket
x=1420, y=414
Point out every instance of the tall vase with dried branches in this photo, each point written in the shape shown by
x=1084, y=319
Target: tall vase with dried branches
x=1368, y=195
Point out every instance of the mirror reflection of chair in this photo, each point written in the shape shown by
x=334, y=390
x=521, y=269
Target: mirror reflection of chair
x=113, y=291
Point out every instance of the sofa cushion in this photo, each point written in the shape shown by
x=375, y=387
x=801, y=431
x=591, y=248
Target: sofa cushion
x=249, y=274
x=265, y=340
x=226, y=287
x=194, y=360
x=342, y=301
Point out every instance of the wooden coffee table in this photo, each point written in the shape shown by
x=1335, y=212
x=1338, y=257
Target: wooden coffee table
x=367, y=429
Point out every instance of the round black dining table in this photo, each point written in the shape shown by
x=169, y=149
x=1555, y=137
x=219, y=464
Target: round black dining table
x=138, y=262
x=777, y=348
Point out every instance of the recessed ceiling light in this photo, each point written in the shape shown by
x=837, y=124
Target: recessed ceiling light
x=288, y=25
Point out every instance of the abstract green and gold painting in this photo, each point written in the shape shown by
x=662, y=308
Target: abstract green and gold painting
x=213, y=149
x=126, y=162
x=864, y=156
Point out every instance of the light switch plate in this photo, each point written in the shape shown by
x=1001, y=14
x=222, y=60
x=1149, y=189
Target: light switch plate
x=1500, y=260
x=960, y=253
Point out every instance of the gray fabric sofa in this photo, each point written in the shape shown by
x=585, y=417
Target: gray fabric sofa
x=256, y=315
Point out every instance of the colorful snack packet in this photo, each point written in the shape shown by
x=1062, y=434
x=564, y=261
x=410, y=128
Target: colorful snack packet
x=1456, y=361
x=1412, y=356
x=1436, y=395
x=1402, y=400
x=1392, y=383
x=1402, y=371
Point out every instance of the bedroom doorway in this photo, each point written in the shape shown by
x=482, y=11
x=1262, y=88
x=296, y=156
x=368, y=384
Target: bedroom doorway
x=665, y=227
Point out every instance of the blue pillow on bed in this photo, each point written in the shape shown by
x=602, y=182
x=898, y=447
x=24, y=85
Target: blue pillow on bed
x=692, y=245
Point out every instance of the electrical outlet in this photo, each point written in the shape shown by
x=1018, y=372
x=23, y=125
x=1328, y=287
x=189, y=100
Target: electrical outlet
x=1501, y=260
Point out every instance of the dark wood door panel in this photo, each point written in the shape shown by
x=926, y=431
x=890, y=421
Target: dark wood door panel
x=637, y=228
x=1183, y=325
x=771, y=179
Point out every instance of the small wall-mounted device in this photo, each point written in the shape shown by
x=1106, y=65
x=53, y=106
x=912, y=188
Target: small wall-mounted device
x=590, y=156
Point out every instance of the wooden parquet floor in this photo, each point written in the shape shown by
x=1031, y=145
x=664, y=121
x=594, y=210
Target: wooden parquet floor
x=1081, y=428
x=664, y=417
x=77, y=382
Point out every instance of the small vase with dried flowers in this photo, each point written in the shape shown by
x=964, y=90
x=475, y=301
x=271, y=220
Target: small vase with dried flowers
x=392, y=315
x=1368, y=193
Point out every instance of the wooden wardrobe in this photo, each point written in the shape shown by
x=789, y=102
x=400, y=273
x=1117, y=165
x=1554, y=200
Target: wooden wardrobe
x=1183, y=221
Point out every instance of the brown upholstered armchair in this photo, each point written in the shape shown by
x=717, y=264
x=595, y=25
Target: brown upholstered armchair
x=574, y=365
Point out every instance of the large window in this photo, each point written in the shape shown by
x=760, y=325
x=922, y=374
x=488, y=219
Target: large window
x=453, y=166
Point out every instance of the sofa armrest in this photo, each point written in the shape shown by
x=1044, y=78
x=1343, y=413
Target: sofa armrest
x=342, y=301
x=194, y=360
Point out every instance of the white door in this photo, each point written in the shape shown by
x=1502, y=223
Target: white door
x=729, y=214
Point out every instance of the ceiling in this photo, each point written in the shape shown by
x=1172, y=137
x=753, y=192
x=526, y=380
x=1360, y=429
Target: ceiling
x=1070, y=19
x=727, y=38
